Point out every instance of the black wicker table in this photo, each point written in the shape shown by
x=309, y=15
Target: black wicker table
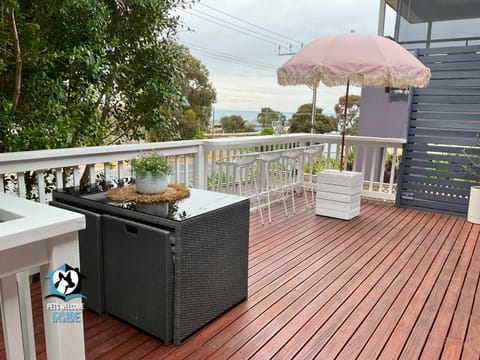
x=167, y=268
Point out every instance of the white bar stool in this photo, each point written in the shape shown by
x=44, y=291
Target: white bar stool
x=295, y=172
x=244, y=170
x=273, y=178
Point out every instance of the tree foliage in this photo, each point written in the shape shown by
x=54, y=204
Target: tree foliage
x=267, y=116
x=196, y=97
x=353, y=113
x=92, y=71
x=302, y=119
x=235, y=124
x=197, y=89
x=189, y=124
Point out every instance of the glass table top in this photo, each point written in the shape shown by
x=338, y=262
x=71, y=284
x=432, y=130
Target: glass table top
x=199, y=202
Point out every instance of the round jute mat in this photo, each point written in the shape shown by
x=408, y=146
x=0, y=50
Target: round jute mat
x=129, y=193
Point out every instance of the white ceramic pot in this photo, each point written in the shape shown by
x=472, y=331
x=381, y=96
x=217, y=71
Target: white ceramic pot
x=149, y=184
x=473, y=214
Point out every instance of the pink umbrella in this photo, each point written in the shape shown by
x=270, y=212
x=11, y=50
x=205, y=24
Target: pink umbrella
x=353, y=59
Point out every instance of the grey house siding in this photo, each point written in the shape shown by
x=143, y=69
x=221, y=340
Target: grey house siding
x=443, y=125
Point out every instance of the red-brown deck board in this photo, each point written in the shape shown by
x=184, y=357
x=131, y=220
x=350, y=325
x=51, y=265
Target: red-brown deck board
x=391, y=283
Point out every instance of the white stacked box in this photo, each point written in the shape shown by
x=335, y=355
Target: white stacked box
x=338, y=194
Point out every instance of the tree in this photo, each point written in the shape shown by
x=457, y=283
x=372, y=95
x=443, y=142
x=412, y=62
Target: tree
x=302, y=119
x=235, y=124
x=92, y=71
x=353, y=113
x=267, y=116
x=197, y=90
x=196, y=97
x=189, y=124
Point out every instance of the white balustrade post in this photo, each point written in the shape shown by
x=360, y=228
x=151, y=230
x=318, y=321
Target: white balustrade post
x=120, y=169
x=76, y=176
x=59, y=177
x=22, y=188
x=63, y=340
x=106, y=173
x=177, y=167
x=12, y=326
x=92, y=175
x=41, y=186
x=200, y=168
x=186, y=175
x=26, y=314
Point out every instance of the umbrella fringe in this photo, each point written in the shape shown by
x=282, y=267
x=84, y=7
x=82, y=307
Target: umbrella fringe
x=314, y=78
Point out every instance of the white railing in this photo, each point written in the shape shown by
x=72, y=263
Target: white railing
x=377, y=158
x=50, y=166
x=195, y=161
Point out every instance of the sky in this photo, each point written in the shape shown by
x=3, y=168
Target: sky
x=242, y=63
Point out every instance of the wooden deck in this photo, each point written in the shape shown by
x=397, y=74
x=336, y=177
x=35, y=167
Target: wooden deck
x=392, y=283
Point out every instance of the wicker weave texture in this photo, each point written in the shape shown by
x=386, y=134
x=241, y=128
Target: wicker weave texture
x=211, y=267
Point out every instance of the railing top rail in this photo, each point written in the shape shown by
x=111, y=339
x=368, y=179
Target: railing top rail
x=214, y=144
x=43, y=159
x=364, y=140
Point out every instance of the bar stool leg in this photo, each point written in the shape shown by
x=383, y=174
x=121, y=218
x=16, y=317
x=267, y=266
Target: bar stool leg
x=259, y=206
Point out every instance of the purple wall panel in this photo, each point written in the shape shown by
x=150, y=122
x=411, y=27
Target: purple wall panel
x=380, y=117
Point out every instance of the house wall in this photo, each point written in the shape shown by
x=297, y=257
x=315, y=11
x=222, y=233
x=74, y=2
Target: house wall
x=381, y=117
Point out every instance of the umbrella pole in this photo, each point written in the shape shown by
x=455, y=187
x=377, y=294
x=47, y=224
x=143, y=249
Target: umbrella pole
x=314, y=110
x=343, y=127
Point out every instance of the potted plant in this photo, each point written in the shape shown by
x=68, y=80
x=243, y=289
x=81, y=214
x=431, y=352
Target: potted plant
x=152, y=172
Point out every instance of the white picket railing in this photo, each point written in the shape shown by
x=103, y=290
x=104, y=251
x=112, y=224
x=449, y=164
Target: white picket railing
x=195, y=161
x=377, y=158
x=109, y=159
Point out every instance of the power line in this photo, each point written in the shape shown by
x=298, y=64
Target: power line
x=232, y=60
x=234, y=29
x=251, y=24
x=216, y=57
x=226, y=56
x=279, y=38
x=243, y=28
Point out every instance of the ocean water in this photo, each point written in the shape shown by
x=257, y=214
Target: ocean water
x=248, y=115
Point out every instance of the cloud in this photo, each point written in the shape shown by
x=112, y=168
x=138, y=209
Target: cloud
x=240, y=81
